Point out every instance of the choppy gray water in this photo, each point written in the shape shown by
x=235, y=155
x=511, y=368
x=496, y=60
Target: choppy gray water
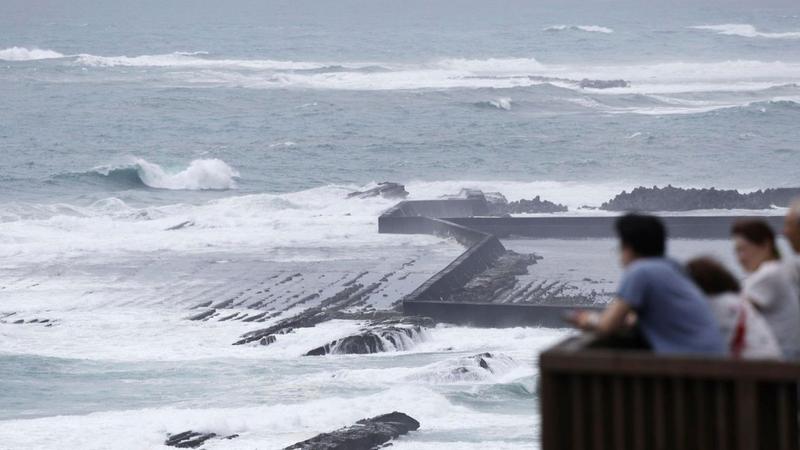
x=250, y=121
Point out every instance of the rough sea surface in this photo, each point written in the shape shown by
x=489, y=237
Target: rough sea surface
x=156, y=155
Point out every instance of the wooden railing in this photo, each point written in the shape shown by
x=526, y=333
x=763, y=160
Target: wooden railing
x=605, y=395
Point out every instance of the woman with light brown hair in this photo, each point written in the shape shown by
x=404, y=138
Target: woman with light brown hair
x=769, y=285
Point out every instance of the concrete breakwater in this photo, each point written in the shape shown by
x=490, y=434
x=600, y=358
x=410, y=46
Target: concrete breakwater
x=443, y=296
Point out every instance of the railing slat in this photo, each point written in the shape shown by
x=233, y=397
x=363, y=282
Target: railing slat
x=638, y=415
x=620, y=416
x=578, y=437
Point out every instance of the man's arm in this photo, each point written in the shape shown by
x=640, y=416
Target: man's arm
x=612, y=319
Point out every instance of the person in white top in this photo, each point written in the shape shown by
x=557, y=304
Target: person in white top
x=745, y=331
x=769, y=286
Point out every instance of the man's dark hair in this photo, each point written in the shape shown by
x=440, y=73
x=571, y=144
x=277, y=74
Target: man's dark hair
x=643, y=234
x=711, y=276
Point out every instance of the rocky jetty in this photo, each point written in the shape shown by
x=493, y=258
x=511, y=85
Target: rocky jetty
x=192, y=439
x=381, y=336
x=366, y=434
x=496, y=281
x=386, y=190
x=672, y=198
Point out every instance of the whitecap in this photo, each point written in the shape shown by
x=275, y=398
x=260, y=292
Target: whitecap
x=28, y=54
x=747, y=30
x=586, y=28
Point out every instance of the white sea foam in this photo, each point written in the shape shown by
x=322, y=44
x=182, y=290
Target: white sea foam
x=587, y=28
x=193, y=60
x=747, y=30
x=319, y=218
x=265, y=426
x=27, y=54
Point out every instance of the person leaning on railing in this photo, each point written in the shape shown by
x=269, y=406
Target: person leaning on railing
x=671, y=312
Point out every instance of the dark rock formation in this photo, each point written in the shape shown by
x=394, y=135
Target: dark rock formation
x=603, y=84
x=366, y=434
x=672, y=198
x=385, y=190
x=382, y=336
x=496, y=281
x=14, y=319
x=535, y=205
x=191, y=439
x=266, y=340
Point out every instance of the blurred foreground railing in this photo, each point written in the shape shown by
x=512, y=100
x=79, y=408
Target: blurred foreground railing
x=598, y=395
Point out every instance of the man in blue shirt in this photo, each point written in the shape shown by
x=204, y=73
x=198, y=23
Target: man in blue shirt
x=672, y=313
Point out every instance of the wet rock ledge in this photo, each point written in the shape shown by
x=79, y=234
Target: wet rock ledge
x=192, y=439
x=366, y=434
x=381, y=336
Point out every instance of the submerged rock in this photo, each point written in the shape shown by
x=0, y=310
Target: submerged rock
x=385, y=190
x=603, y=84
x=378, y=337
x=192, y=439
x=475, y=368
x=366, y=434
x=672, y=198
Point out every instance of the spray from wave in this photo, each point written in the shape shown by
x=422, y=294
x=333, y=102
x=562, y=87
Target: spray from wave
x=201, y=174
x=586, y=28
x=502, y=103
x=25, y=54
x=747, y=30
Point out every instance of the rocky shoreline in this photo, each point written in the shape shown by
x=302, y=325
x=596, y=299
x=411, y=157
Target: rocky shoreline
x=672, y=198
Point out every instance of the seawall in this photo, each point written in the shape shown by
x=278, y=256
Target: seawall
x=464, y=220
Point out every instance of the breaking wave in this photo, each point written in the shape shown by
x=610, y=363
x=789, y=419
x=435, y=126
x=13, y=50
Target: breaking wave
x=747, y=30
x=201, y=174
x=586, y=28
x=502, y=103
x=27, y=54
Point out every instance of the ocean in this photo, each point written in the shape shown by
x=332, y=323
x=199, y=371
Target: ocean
x=156, y=155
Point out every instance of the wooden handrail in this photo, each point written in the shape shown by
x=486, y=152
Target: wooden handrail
x=596, y=395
